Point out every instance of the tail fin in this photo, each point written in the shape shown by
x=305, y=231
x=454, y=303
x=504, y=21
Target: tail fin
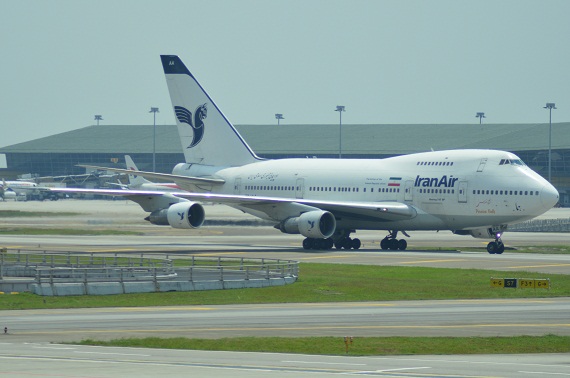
x=134, y=180
x=206, y=134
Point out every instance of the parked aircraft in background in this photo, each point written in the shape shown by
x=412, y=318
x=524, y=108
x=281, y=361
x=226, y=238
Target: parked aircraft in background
x=469, y=192
x=13, y=189
x=6, y=193
x=137, y=182
x=26, y=190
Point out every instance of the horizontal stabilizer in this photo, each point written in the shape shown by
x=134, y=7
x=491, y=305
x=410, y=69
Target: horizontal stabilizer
x=163, y=176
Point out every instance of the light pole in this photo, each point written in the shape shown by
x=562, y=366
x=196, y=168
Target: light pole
x=98, y=118
x=340, y=109
x=550, y=106
x=154, y=111
x=480, y=115
x=278, y=116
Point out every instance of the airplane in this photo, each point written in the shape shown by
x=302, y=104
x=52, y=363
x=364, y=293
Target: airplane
x=12, y=189
x=473, y=192
x=137, y=182
x=7, y=193
x=31, y=190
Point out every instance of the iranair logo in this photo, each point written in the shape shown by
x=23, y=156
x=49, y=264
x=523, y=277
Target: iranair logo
x=436, y=182
x=197, y=123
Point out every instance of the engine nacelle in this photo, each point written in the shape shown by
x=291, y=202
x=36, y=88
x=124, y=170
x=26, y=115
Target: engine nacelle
x=316, y=224
x=484, y=232
x=185, y=215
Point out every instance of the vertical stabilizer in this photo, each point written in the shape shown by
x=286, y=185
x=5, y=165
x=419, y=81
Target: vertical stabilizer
x=207, y=136
x=134, y=180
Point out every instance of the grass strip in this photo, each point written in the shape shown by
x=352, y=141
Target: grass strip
x=361, y=346
x=325, y=283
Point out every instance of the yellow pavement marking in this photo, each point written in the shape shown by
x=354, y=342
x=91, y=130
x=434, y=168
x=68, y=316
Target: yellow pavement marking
x=360, y=327
x=327, y=257
x=430, y=261
x=536, y=266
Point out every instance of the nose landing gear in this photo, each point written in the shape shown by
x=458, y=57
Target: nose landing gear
x=497, y=246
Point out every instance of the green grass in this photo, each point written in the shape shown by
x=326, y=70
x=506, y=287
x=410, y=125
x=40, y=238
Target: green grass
x=539, y=249
x=325, y=283
x=361, y=346
x=543, y=249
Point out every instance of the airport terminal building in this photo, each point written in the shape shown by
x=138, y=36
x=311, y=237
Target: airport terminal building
x=104, y=145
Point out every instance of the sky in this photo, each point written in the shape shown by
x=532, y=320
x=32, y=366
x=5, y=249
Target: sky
x=387, y=62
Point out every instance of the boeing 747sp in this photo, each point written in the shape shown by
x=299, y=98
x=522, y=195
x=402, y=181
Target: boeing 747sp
x=469, y=192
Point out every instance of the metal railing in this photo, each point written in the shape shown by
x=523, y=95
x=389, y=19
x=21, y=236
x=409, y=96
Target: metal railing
x=50, y=267
x=542, y=225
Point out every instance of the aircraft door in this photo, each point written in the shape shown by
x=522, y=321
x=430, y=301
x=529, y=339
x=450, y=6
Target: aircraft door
x=462, y=192
x=300, y=188
x=409, y=190
x=237, y=186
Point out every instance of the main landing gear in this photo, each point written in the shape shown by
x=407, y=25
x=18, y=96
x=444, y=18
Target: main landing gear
x=497, y=246
x=340, y=240
x=391, y=242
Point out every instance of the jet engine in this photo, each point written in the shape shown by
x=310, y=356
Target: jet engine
x=184, y=215
x=316, y=224
x=484, y=232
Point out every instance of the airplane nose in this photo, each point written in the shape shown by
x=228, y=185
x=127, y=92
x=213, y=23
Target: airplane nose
x=549, y=196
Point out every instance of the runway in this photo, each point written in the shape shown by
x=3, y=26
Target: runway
x=27, y=360
x=26, y=346
x=265, y=241
x=492, y=317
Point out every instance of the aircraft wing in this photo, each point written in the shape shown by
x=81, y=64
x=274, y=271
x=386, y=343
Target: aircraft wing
x=162, y=176
x=273, y=208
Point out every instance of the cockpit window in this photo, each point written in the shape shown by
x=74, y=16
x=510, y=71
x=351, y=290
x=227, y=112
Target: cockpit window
x=512, y=162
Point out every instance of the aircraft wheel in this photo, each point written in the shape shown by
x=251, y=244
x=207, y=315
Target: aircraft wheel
x=308, y=243
x=500, y=248
x=384, y=244
x=393, y=244
x=356, y=243
x=402, y=244
x=492, y=247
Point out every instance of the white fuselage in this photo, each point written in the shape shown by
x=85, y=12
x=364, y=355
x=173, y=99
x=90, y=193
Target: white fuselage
x=20, y=186
x=456, y=189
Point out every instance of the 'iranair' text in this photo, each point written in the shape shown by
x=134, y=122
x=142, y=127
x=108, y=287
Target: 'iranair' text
x=434, y=182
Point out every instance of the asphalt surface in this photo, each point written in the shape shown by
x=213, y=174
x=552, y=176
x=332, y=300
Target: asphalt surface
x=25, y=350
x=55, y=360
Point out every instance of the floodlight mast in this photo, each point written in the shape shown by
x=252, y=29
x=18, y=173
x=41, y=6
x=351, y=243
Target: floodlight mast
x=480, y=115
x=550, y=106
x=278, y=116
x=98, y=118
x=340, y=109
x=154, y=111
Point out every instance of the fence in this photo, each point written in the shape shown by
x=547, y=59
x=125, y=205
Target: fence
x=87, y=269
x=542, y=225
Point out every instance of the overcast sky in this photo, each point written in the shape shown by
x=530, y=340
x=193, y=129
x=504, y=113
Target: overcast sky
x=397, y=61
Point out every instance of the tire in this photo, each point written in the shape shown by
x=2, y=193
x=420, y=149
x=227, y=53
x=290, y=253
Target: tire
x=402, y=244
x=492, y=248
x=500, y=249
x=308, y=243
x=356, y=243
x=384, y=244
